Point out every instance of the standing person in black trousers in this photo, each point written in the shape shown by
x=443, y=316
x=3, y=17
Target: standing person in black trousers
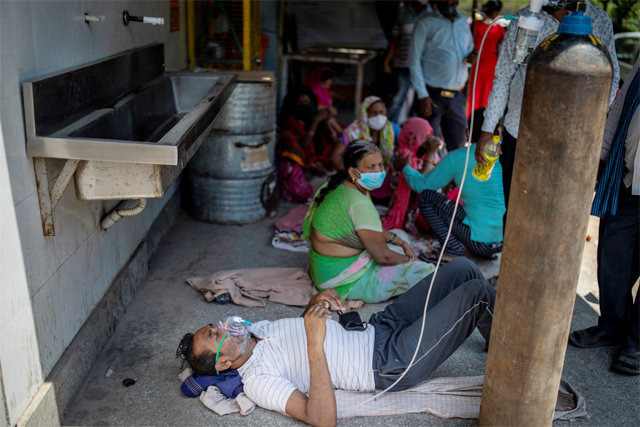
x=617, y=203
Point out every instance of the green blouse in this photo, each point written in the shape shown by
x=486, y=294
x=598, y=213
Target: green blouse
x=341, y=214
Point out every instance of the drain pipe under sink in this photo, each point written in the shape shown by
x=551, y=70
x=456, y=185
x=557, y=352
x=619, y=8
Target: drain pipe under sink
x=119, y=211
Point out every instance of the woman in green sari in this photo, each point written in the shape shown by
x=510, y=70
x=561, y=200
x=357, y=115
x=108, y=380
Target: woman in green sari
x=350, y=251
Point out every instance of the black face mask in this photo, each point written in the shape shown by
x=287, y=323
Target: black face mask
x=448, y=10
x=305, y=113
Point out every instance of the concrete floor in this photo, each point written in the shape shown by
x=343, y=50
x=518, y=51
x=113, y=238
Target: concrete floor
x=165, y=307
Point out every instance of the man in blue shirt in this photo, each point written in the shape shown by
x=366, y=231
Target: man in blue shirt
x=439, y=57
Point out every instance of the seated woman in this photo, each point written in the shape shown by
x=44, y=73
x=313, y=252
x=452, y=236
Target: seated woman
x=350, y=250
x=305, y=143
x=319, y=81
x=416, y=139
x=372, y=125
x=477, y=226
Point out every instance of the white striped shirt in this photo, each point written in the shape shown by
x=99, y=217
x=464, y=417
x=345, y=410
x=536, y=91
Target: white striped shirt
x=280, y=362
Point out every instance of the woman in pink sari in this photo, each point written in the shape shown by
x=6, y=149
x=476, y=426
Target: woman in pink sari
x=415, y=141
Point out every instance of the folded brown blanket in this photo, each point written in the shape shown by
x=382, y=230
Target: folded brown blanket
x=247, y=287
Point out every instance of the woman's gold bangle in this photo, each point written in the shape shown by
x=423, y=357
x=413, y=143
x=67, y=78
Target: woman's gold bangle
x=410, y=258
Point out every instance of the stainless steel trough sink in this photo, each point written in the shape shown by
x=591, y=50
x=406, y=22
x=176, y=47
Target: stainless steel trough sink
x=134, y=126
x=146, y=115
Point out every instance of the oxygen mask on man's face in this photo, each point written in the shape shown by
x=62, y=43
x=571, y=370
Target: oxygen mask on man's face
x=233, y=325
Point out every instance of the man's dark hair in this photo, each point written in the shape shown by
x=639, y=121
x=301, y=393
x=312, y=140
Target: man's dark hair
x=492, y=6
x=203, y=364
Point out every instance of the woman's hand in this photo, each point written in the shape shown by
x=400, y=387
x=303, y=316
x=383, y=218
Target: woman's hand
x=408, y=250
x=400, y=162
x=324, y=113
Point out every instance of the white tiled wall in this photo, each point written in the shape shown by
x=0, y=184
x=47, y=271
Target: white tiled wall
x=49, y=285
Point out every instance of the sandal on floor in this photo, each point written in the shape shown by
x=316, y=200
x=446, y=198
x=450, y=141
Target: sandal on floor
x=627, y=362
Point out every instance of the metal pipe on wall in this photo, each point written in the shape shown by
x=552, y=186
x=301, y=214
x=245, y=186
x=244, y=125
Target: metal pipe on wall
x=562, y=123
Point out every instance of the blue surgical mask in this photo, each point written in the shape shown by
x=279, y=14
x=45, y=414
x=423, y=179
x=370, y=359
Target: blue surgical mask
x=372, y=180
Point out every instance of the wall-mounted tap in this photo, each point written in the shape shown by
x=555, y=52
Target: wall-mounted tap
x=126, y=18
x=91, y=18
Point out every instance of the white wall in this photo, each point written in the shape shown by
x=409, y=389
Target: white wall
x=49, y=285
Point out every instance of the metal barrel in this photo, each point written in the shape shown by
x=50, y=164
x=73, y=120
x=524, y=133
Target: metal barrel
x=231, y=201
x=232, y=176
x=250, y=109
x=226, y=155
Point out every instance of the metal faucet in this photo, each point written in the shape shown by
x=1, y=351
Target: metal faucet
x=126, y=18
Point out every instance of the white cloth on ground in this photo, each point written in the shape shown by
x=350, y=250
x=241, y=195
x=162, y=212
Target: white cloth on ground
x=218, y=403
x=290, y=241
x=452, y=397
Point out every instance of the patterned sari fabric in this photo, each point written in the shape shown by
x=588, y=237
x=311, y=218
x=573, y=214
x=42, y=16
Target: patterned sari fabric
x=413, y=134
x=291, y=147
x=341, y=214
x=360, y=130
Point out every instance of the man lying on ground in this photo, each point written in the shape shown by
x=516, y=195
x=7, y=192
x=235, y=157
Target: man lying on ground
x=293, y=365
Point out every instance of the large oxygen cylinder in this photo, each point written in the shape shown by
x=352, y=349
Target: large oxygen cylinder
x=564, y=109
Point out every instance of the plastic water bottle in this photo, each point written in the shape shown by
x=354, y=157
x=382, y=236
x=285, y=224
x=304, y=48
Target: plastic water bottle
x=482, y=172
x=527, y=37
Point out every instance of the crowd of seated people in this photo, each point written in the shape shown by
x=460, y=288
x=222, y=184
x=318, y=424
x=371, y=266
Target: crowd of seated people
x=381, y=184
x=422, y=157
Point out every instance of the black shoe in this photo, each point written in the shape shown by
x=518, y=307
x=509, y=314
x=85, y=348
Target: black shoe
x=223, y=299
x=627, y=362
x=592, y=337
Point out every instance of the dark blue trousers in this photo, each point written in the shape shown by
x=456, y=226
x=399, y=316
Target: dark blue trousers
x=460, y=301
x=437, y=210
x=618, y=269
x=449, y=117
